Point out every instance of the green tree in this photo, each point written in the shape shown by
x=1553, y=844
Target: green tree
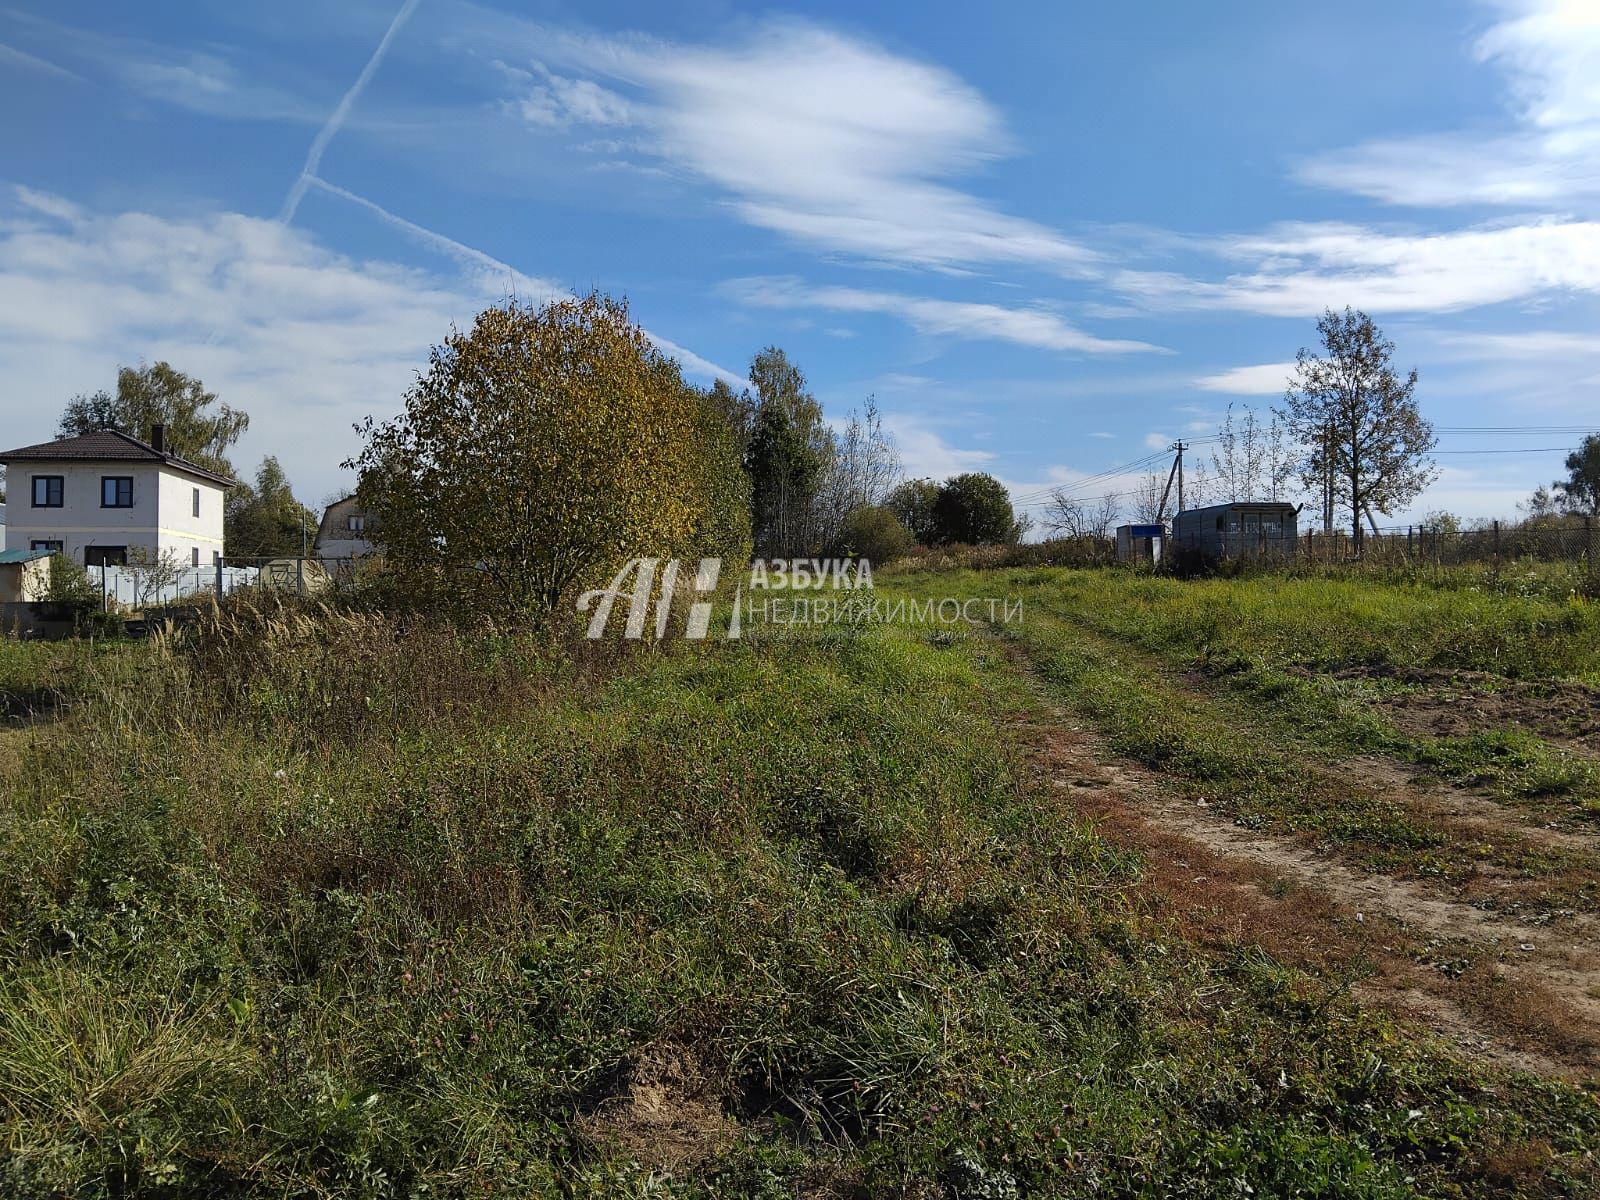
x=537, y=453
x=787, y=456
x=198, y=427
x=722, y=504
x=1358, y=419
x=974, y=509
x=1542, y=507
x=1579, y=492
x=912, y=504
x=736, y=411
x=266, y=521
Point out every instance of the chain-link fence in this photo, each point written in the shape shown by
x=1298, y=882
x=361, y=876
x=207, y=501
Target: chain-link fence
x=1569, y=540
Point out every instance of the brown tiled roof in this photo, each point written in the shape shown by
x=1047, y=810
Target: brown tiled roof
x=108, y=445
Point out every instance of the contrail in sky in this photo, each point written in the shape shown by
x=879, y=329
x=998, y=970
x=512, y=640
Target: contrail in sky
x=466, y=255
x=319, y=144
x=12, y=54
x=471, y=257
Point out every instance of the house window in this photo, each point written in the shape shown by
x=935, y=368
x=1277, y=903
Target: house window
x=116, y=491
x=197, y=509
x=50, y=544
x=47, y=491
x=194, y=554
x=356, y=523
x=105, y=556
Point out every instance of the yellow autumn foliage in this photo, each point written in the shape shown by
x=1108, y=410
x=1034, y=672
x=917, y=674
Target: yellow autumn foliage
x=537, y=452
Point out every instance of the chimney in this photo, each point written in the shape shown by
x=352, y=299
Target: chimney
x=158, y=438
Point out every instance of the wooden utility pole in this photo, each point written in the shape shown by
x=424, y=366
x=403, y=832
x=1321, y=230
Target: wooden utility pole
x=1178, y=466
x=1327, y=480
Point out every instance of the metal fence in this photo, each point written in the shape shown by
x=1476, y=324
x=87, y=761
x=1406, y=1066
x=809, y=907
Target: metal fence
x=1570, y=540
x=137, y=586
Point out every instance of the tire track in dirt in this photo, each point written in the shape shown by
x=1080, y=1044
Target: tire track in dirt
x=1523, y=993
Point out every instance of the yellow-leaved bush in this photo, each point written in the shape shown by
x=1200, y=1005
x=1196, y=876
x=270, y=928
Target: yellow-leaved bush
x=541, y=450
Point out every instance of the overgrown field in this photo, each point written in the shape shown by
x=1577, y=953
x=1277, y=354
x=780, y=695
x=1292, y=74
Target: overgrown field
x=327, y=904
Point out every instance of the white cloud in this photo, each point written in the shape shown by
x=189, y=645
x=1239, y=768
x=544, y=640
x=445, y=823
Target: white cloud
x=202, y=76
x=1537, y=345
x=1544, y=156
x=924, y=454
x=557, y=102
x=1300, y=269
x=199, y=81
x=1552, y=48
x=1266, y=379
x=47, y=204
x=303, y=338
x=1450, y=169
x=1550, y=51
x=822, y=137
x=1034, y=327
x=1476, y=492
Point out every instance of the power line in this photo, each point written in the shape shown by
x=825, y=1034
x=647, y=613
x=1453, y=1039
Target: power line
x=1502, y=429
x=1085, y=483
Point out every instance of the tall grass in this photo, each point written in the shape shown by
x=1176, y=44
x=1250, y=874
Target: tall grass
x=1329, y=622
x=317, y=903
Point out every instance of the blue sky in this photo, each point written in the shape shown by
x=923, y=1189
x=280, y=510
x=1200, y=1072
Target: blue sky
x=1048, y=238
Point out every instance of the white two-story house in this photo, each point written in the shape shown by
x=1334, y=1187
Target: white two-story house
x=105, y=497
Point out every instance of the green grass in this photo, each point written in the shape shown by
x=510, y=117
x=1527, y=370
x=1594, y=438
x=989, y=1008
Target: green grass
x=1272, y=640
x=1264, y=749
x=323, y=905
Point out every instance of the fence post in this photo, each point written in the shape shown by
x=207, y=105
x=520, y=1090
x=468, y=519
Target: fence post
x=1588, y=546
x=1497, y=541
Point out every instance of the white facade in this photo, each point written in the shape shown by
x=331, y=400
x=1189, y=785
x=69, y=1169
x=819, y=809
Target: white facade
x=159, y=521
x=345, y=531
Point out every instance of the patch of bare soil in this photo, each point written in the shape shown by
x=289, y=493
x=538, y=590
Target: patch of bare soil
x=665, y=1112
x=1442, y=803
x=1523, y=994
x=1439, y=703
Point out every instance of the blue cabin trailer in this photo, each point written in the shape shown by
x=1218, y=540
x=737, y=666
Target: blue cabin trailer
x=1255, y=529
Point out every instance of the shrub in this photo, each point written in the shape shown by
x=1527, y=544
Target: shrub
x=539, y=450
x=69, y=582
x=874, y=533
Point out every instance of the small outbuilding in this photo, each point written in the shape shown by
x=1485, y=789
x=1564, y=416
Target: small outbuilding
x=24, y=576
x=1255, y=529
x=1140, y=543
